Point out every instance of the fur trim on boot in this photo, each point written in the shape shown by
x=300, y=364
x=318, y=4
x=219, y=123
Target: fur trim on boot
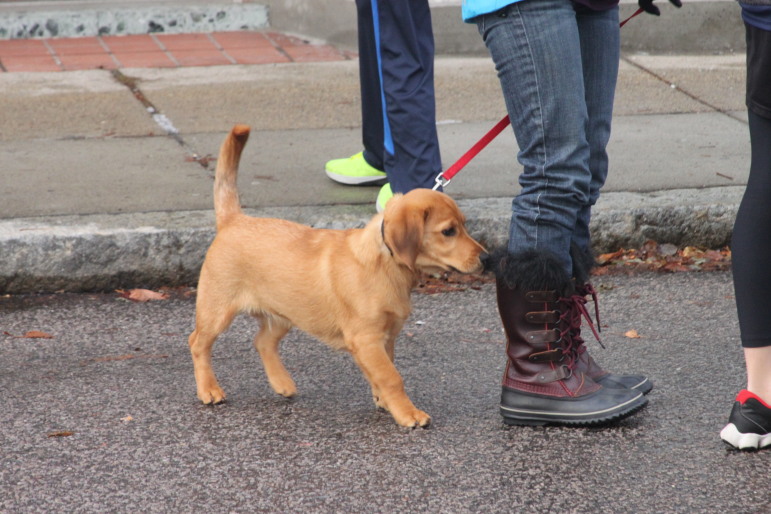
x=529, y=270
x=583, y=263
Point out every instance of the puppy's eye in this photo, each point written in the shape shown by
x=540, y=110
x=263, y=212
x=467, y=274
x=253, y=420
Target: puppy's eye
x=449, y=232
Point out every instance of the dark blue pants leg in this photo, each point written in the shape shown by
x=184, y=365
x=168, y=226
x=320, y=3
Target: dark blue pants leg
x=369, y=80
x=404, y=56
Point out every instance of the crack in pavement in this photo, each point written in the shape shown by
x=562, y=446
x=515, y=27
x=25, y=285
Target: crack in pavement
x=160, y=119
x=684, y=91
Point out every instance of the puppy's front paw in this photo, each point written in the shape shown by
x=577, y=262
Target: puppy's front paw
x=286, y=389
x=211, y=395
x=414, y=419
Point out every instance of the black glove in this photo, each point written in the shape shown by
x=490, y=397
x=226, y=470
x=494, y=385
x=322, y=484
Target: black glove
x=647, y=6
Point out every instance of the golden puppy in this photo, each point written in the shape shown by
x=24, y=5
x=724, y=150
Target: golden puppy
x=349, y=288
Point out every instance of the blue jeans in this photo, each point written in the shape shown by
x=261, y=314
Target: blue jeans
x=558, y=70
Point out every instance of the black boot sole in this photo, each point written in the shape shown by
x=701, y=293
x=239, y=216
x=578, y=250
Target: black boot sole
x=634, y=382
x=600, y=408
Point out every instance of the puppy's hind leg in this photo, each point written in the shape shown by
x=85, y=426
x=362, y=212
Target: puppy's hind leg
x=266, y=342
x=208, y=325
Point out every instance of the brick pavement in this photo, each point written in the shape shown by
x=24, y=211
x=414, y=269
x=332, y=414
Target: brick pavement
x=162, y=51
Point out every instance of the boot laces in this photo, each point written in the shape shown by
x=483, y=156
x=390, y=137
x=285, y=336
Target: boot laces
x=572, y=315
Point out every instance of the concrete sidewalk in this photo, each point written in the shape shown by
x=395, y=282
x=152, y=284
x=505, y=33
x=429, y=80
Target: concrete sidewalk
x=99, y=193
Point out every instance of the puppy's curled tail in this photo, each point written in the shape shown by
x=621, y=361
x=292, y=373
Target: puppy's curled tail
x=226, y=202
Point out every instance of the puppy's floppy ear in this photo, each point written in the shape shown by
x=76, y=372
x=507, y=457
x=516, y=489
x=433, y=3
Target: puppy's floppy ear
x=403, y=233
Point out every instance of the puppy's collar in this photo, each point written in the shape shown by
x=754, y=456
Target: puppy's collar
x=382, y=235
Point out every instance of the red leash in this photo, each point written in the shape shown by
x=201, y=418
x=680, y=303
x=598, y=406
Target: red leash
x=446, y=176
x=638, y=11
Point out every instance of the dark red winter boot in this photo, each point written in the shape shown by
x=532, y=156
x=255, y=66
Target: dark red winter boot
x=545, y=381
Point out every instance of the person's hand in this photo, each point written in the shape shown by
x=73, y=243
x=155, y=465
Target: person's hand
x=647, y=6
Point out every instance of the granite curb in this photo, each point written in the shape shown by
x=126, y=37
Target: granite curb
x=103, y=252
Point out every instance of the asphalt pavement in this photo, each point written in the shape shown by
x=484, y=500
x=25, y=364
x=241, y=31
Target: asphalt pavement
x=103, y=416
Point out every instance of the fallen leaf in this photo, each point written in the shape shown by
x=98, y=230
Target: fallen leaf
x=127, y=419
x=142, y=295
x=664, y=258
x=674, y=266
x=713, y=255
x=632, y=334
x=62, y=433
x=32, y=334
x=452, y=282
x=607, y=257
x=716, y=266
x=36, y=334
x=692, y=252
x=650, y=249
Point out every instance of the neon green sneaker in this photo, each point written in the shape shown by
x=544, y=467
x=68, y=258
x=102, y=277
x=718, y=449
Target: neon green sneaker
x=383, y=196
x=354, y=171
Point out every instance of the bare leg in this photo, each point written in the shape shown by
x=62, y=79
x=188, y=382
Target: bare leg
x=759, y=371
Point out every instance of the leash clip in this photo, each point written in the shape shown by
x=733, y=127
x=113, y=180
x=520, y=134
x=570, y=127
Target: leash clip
x=441, y=181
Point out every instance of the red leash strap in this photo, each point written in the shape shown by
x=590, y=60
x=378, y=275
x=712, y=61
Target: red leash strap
x=638, y=11
x=444, y=178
